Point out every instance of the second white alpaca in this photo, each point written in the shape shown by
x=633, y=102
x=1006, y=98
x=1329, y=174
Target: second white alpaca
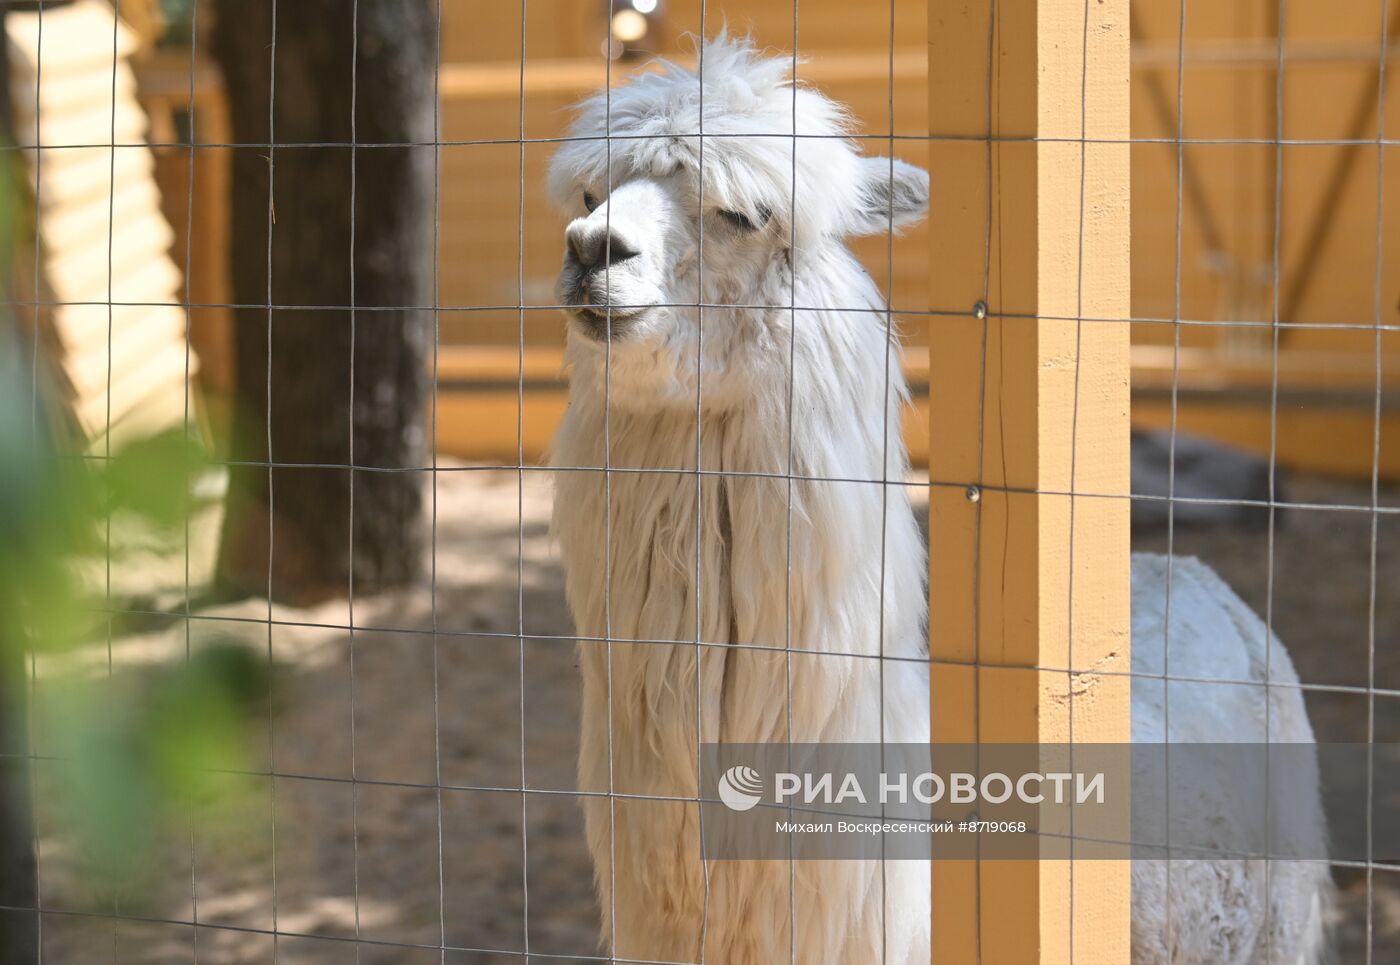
x=782, y=523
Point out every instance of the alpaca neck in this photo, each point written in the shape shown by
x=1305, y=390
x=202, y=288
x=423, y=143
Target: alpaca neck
x=806, y=541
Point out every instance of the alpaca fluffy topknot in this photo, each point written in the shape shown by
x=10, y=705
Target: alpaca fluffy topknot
x=748, y=109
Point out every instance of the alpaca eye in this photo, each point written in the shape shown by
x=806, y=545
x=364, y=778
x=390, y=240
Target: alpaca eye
x=743, y=221
x=738, y=220
x=589, y=201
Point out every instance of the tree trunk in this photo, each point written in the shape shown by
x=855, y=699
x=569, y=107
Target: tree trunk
x=349, y=333
x=19, y=930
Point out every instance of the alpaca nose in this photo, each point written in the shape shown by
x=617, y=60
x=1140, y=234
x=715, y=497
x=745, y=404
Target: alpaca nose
x=597, y=246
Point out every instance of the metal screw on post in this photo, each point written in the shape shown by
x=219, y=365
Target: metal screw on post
x=973, y=494
x=979, y=311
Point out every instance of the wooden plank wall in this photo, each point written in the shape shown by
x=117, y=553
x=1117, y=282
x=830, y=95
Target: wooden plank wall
x=1227, y=219
x=1328, y=237
x=1327, y=208
x=847, y=53
x=481, y=183
x=1330, y=51
x=113, y=318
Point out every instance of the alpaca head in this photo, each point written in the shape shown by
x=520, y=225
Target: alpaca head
x=662, y=222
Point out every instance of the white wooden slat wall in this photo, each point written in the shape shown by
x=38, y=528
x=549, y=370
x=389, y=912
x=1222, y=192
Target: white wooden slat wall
x=117, y=325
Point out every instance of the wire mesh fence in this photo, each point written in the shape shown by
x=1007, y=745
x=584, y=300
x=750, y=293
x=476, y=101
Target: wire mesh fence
x=408, y=786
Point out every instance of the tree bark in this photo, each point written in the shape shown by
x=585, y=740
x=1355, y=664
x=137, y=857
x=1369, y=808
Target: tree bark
x=19, y=930
x=346, y=380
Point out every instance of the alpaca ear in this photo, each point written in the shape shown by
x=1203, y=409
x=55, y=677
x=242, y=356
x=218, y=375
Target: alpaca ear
x=892, y=194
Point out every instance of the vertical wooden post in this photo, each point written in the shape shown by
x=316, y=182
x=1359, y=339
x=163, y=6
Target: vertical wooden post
x=1030, y=217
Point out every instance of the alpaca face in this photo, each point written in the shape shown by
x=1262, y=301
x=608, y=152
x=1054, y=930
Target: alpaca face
x=687, y=254
x=633, y=267
x=616, y=255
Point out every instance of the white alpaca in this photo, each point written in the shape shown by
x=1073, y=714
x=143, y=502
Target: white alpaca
x=636, y=354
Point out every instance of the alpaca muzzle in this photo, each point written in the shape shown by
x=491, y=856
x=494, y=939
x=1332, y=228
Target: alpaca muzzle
x=602, y=324
x=599, y=298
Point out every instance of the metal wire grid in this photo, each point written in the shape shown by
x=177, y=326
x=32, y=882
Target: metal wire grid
x=271, y=488
x=1275, y=325
x=1377, y=300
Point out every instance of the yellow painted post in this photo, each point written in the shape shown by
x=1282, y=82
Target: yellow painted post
x=1029, y=405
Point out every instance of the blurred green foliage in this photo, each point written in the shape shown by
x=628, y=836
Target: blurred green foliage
x=119, y=753
x=126, y=754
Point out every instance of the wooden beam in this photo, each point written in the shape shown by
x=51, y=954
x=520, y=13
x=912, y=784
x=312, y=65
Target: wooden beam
x=478, y=401
x=576, y=75
x=1235, y=52
x=1029, y=583
x=1157, y=367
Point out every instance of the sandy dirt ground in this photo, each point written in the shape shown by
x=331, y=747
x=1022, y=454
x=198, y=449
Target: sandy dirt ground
x=430, y=844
